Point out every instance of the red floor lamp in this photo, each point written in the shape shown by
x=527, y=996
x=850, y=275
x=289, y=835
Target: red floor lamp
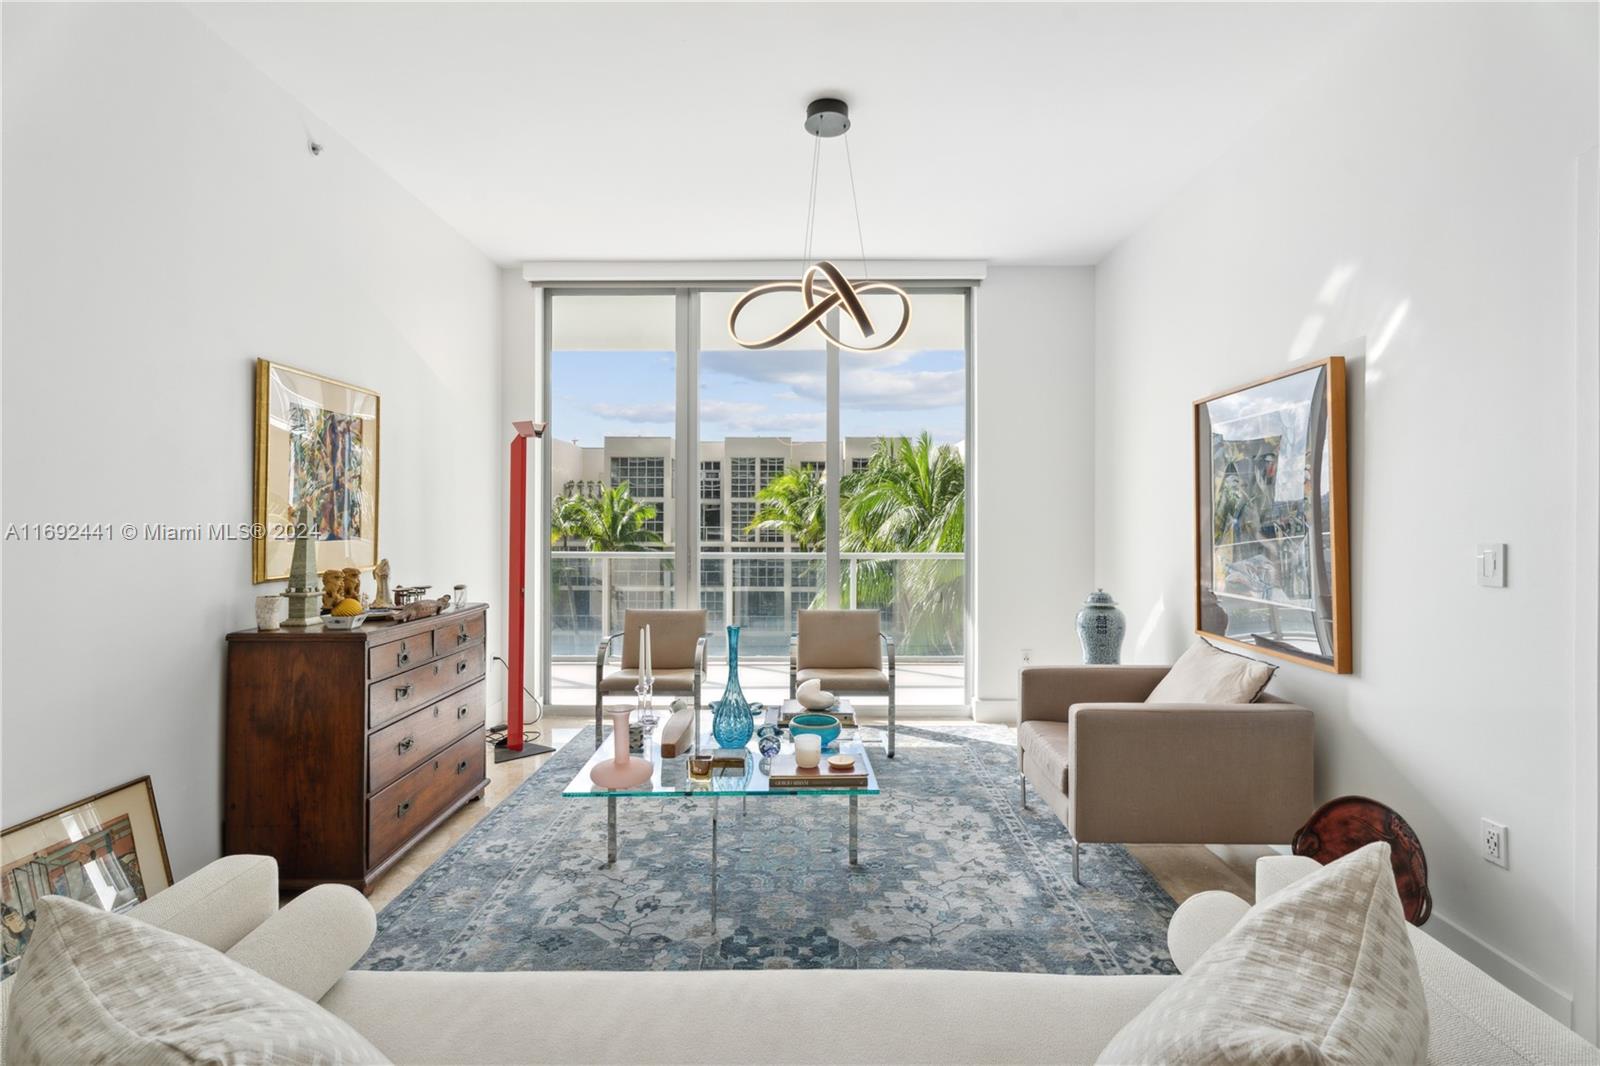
x=513, y=744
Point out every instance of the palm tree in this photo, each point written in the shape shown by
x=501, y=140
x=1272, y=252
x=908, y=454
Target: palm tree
x=794, y=503
x=912, y=497
x=611, y=521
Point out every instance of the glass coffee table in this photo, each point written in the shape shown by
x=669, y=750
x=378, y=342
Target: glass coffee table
x=670, y=780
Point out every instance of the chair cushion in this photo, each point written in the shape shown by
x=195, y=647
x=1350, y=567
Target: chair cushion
x=832, y=640
x=678, y=682
x=846, y=682
x=1323, y=972
x=1205, y=674
x=96, y=986
x=1044, y=744
x=673, y=635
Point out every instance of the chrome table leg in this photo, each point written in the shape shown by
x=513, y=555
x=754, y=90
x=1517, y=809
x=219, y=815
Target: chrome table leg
x=611, y=830
x=853, y=831
x=713, y=867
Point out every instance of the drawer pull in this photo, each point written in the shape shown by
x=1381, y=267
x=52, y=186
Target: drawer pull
x=461, y=637
x=406, y=745
x=461, y=667
x=461, y=712
x=400, y=811
x=403, y=657
x=461, y=766
x=403, y=692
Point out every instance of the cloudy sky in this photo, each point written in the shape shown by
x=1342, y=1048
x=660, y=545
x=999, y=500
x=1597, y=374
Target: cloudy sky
x=746, y=393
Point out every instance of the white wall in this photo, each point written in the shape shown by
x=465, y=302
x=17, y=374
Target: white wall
x=1033, y=473
x=1412, y=200
x=165, y=226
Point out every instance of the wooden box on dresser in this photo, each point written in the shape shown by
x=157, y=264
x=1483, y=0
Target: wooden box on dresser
x=344, y=748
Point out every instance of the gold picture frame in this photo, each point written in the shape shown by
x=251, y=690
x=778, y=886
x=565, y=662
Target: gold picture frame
x=99, y=851
x=1272, y=517
x=317, y=441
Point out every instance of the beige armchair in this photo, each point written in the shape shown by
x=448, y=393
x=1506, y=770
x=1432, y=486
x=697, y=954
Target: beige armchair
x=1117, y=770
x=677, y=657
x=845, y=651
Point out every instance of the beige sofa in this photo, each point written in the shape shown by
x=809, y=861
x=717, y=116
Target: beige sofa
x=885, y=1016
x=1117, y=770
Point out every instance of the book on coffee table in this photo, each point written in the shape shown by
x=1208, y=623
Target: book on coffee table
x=843, y=711
x=785, y=774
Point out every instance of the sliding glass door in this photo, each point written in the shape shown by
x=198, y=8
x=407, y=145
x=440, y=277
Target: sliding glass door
x=685, y=470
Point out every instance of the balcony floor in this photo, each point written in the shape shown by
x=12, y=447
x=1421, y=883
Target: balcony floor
x=927, y=685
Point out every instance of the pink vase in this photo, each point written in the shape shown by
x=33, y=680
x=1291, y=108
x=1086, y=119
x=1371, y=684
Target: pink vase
x=623, y=771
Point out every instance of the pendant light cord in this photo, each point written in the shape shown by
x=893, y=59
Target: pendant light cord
x=861, y=241
x=811, y=205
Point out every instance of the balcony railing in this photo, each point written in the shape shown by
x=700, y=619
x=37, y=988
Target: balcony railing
x=921, y=596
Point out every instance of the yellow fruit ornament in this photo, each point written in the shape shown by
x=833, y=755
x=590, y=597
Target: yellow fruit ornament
x=346, y=608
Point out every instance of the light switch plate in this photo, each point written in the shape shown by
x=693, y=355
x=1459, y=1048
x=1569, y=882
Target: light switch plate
x=1492, y=565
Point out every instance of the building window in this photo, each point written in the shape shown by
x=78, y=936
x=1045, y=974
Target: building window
x=819, y=467
x=710, y=479
x=742, y=478
x=858, y=464
x=646, y=475
x=711, y=521
x=741, y=513
x=764, y=572
x=770, y=468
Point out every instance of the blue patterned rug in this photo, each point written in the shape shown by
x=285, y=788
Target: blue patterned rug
x=954, y=875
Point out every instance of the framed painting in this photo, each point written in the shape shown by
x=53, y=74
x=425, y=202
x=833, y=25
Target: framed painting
x=106, y=851
x=1272, y=514
x=316, y=453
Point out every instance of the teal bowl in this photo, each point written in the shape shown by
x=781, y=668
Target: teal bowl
x=825, y=726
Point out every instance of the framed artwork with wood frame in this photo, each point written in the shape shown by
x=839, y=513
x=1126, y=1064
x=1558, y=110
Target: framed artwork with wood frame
x=106, y=851
x=316, y=444
x=1272, y=517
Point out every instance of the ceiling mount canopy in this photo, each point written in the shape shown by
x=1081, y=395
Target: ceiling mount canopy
x=823, y=286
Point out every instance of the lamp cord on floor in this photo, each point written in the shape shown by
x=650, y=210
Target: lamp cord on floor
x=498, y=734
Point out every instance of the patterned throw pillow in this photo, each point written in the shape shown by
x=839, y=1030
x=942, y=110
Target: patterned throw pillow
x=1205, y=674
x=97, y=987
x=1320, y=973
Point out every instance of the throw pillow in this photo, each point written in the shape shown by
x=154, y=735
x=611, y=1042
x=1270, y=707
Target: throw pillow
x=96, y=986
x=1321, y=973
x=1204, y=674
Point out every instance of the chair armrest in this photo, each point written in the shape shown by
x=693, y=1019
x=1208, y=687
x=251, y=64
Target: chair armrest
x=700, y=655
x=311, y=942
x=1188, y=773
x=604, y=650
x=1274, y=873
x=794, y=652
x=219, y=904
x=1047, y=693
x=888, y=644
x=1200, y=921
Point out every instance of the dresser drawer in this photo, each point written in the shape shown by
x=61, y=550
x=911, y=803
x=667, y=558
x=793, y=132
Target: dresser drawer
x=407, y=806
x=386, y=660
x=458, y=633
x=397, y=696
x=397, y=749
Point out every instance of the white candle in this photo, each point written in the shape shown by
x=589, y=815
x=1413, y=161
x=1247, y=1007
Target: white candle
x=807, y=750
x=644, y=654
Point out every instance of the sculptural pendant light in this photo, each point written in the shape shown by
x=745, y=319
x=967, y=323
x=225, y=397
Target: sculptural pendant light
x=823, y=286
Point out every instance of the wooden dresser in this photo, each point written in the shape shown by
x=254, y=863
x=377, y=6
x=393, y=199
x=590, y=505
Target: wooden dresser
x=344, y=748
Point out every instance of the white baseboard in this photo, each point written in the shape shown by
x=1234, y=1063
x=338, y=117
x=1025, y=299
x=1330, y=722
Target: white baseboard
x=1503, y=968
x=1003, y=712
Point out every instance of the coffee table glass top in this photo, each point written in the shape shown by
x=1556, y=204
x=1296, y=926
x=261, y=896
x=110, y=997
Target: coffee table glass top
x=671, y=776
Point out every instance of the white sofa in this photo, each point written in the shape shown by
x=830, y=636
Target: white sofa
x=775, y=1016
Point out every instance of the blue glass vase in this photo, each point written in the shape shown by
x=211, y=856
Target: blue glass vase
x=731, y=721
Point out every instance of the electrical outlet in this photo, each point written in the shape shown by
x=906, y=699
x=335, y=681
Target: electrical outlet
x=1494, y=843
x=1027, y=656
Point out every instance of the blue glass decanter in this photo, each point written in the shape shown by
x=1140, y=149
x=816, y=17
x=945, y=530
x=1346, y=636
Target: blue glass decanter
x=731, y=721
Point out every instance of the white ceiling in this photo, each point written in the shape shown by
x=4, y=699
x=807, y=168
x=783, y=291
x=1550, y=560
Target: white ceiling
x=1033, y=133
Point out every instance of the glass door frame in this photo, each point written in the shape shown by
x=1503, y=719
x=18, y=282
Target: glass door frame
x=686, y=443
